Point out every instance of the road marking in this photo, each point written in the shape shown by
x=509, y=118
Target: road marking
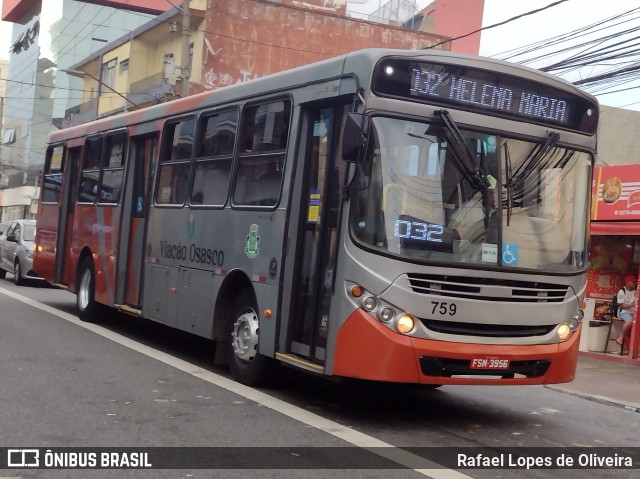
x=359, y=439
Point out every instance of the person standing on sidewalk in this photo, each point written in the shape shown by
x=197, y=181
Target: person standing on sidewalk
x=626, y=305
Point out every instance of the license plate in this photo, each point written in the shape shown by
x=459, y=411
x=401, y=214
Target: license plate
x=489, y=363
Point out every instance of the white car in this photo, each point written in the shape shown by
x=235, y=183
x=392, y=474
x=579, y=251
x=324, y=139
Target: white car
x=16, y=251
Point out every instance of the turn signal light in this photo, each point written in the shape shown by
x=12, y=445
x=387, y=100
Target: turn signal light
x=356, y=291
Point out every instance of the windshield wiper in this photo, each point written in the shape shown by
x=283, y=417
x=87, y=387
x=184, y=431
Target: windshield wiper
x=462, y=155
x=508, y=184
x=534, y=159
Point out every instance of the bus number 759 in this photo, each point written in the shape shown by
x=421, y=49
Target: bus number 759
x=444, y=308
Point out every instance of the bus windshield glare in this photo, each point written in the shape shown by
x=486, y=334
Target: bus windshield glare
x=432, y=193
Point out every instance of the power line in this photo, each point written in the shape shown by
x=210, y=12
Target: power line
x=497, y=24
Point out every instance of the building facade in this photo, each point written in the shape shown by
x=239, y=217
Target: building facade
x=230, y=41
x=47, y=37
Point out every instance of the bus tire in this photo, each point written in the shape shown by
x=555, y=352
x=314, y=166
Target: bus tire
x=17, y=274
x=85, y=294
x=247, y=365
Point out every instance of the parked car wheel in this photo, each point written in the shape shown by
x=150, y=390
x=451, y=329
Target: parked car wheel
x=3, y=273
x=17, y=274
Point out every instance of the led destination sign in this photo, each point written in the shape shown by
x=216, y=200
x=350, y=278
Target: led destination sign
x=485, y=91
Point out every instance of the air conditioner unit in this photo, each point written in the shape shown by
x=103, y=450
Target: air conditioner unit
x=169, y=68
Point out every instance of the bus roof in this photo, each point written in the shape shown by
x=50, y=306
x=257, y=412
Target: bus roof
x=360, y=63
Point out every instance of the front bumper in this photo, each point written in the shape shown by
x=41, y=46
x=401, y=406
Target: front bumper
x=366, y=349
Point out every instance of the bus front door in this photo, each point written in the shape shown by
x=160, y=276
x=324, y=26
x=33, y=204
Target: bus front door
x=313, y=277
x=142, y=151
x=63, y=272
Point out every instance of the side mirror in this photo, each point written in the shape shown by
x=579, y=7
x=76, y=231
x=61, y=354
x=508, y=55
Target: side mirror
x=11, y=238
x=351, y=136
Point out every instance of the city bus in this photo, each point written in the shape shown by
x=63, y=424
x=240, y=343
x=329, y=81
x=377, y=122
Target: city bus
x=387, y=215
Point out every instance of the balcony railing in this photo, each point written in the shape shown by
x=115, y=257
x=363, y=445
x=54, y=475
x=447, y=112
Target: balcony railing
x=82, y=113
x=147, y=83
x=148, y=91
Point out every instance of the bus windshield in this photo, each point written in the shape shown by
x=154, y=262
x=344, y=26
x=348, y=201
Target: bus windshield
x=431, y=192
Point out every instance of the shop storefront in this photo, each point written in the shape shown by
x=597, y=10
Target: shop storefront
x=615, y=253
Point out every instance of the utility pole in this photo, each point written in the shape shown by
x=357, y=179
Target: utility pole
x=186, y=38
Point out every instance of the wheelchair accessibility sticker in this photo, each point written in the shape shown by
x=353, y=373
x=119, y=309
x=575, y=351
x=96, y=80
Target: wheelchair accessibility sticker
x=510, y=254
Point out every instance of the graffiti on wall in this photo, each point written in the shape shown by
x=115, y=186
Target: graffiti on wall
x=213, y=79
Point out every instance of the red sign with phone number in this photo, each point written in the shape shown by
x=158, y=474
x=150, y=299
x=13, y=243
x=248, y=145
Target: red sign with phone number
x=616, y=193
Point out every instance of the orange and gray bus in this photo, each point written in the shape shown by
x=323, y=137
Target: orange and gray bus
x=403, y=216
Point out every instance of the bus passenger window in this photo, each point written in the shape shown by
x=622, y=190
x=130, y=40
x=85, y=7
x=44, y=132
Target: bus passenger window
x=265, y=127
x=218, y=135
x=259, y=180
x=211, y=182
x=182, y=140
x=261, y=161
x=213, y=159
x=175, y=163
x=173, y=184
x=52, y=181
x=88, y=191
x=93, y=148
x=113, y=169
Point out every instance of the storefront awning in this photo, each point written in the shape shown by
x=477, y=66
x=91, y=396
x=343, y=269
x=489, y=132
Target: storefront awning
x=614, y=228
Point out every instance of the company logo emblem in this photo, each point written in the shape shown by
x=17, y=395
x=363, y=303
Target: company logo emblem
x=191, y=227
x=252, y=245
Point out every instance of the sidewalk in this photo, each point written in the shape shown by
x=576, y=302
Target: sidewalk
x=605, y=381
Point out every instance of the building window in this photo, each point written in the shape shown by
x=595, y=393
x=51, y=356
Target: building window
x=9, y=136
x=124, y=66
x=109, y=72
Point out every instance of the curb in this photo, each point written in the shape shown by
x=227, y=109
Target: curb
x=629, y=406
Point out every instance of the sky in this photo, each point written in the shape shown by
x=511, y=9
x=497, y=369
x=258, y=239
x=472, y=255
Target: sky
x=562, y=18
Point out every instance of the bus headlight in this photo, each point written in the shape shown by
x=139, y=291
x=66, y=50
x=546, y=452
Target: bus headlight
x=564, y=331
x=387, y=314
x=576, y=319
x=405, y=324
x=369, y=303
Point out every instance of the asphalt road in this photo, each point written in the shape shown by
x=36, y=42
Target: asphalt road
x=133, y=383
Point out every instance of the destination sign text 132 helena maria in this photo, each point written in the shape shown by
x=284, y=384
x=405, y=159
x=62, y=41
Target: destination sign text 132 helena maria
x=488, y=92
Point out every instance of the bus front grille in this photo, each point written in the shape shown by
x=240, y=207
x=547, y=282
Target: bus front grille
x=486, y=330
x=487, y=289
x=446, y=367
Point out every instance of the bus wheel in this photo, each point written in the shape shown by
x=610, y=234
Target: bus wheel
x=17, y=274
x=246, y=364
x=85, y=296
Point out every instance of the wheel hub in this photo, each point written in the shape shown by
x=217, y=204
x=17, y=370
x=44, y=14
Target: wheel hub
x=244, y=336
